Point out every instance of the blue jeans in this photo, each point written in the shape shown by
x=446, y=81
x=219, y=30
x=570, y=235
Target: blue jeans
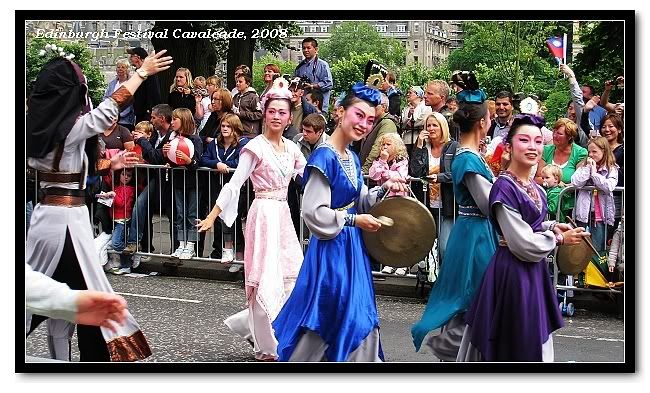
x=598, y=232
x=28, y=215
x=118, y=236
x=185, y=214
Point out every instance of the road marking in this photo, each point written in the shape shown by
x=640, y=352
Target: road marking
x=159, y=297
x=590, y=338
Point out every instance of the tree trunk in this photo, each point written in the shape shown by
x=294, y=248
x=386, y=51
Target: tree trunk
x=240, y=51
x=196, y=54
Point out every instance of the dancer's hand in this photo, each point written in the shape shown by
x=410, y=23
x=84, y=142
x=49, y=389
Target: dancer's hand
x=395, y=184
x=205, y=224
x=100, y=309
x=574, y=236
x=124, y=159
x=155, y=62
x=367, y=222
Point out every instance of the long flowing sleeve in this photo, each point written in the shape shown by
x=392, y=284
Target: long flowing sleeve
x=47, y=297
x=367, y=198
x=479, y=187
x=323, y=221
x=92, y=123
x=229, y=195
x=525, y=244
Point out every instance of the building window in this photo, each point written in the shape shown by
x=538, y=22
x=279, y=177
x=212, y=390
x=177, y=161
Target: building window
x=401, y=28
x=381, y=28
x=415, y=59
x=304, y=29
x=323, y=29
x=416, y=27
x=415, y=45
x=404, y=44
x=312, y=29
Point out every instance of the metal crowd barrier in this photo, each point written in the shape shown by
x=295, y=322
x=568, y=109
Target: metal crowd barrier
x=156, y=237
x=572, y=190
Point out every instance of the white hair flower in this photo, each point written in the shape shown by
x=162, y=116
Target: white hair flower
x=71, y=56
x=41, y=52
x=62, y=54
x=54, y=47
x=48, y=46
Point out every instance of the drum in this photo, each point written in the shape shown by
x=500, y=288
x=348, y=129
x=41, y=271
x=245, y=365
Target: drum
x=409, y=240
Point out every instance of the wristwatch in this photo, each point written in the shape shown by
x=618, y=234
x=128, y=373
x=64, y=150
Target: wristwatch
x=142, y=74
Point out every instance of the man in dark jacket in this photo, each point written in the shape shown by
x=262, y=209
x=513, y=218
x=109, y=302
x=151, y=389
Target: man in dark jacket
x=159, y=183
x=148, y=95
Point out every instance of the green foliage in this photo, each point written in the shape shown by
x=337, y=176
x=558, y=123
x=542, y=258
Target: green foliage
x=602, y=54
x=96, y=83
x=362, y=37
x=348, y=70
x=507, y=55
x=556, y=102
x=286, y=67
x=275, y=45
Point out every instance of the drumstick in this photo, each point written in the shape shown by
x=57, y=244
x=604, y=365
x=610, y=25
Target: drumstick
x=584, y=238
x=385, y=221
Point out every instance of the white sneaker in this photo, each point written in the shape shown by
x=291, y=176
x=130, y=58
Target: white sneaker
x=227, y=255
x=235, y=268
x=124, y=270
x=187, y=253
x=401, y=271
x=388, y=270
x=178, y=252
x=136, y=261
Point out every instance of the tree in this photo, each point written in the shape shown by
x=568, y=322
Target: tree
x=602, y=54
x=82, y=56
x=362, y=37
x=286, y=67
x=508, y=55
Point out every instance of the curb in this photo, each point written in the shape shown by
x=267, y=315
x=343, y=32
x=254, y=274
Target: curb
x=391, y=286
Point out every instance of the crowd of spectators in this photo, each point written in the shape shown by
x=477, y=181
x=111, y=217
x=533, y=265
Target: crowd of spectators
x=417, y=141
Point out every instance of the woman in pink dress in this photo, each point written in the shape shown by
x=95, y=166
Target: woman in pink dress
x=273, y=256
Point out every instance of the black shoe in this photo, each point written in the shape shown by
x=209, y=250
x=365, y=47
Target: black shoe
x=215, y=255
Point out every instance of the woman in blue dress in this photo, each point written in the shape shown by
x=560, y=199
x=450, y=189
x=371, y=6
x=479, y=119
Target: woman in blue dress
x=331, y=314
x=472, y=240
x=515, y=310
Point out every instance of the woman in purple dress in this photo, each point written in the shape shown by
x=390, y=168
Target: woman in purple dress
x=515, y=310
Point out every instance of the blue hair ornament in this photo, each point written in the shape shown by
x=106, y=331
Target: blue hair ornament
x=366, y=93
x=477, y=96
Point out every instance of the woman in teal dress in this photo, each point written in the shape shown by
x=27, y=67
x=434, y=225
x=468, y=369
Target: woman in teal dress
x=472, y=240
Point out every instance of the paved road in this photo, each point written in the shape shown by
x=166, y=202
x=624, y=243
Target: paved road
x=182, y=319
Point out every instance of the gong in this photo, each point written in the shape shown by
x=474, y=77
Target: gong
x=409, y=240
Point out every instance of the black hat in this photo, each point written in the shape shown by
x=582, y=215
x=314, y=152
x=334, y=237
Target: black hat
x=138, y=51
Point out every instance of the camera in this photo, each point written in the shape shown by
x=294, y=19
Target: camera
x=201, y=92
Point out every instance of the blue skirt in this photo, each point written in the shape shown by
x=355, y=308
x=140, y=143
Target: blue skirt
x=471, y=244
x=334, y=297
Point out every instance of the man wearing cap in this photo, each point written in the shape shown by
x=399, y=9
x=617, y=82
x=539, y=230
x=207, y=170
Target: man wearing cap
x=413, y=117
x=300, y=107
x=316, y=70
x=148, y=95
